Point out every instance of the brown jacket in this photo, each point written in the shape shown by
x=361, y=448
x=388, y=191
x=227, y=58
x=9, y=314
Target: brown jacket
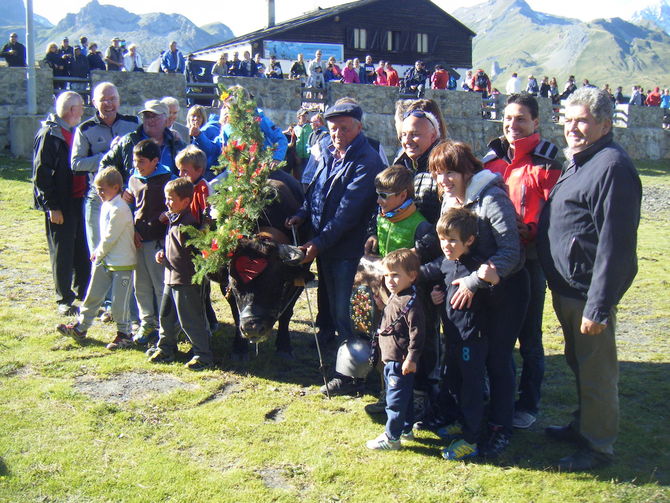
x=179, y=268
x=408, y=333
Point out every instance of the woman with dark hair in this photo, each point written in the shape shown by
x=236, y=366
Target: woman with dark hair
x=464, y=182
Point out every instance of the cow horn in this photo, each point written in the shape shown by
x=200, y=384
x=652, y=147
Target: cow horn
x=291, y=255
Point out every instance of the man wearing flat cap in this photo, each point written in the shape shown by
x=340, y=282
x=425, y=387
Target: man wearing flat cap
x=339, y=202
x=154, y=125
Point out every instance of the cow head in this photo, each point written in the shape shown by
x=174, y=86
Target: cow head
x=265, y=278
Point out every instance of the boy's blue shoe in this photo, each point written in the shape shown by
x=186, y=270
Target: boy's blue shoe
x=145, y=335
x=450, y=432
x=459, y=450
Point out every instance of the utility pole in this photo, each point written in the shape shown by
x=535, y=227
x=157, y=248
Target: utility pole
x=30, y=56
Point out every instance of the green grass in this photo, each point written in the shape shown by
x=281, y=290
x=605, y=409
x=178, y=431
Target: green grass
x=218, y=439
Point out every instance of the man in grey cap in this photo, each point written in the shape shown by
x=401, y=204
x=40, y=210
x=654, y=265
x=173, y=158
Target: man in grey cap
x=339, y=203
x=154, y=125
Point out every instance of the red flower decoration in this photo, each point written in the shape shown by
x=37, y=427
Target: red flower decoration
x=215, y=244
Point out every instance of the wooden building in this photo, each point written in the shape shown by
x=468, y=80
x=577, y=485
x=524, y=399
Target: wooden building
x=399, y=31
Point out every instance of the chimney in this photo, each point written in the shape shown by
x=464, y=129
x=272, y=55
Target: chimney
x=271, y=13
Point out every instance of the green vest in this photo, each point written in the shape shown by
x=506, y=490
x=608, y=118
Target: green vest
x=395, y=235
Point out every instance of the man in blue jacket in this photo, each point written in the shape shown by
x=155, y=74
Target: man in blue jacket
x=173, y=60
x=586, y=243
x=339, y=203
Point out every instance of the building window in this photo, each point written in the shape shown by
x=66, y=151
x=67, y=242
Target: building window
x=393, y=41
x=422, y=42
x=360, y=38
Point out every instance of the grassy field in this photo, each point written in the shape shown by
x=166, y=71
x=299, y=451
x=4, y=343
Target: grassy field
x=79, y=423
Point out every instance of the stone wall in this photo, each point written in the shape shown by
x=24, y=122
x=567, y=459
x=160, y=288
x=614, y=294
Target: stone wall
x=638, y=128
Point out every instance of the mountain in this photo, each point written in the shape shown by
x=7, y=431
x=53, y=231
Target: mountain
x=100, y=23
x=658, y=15
x=519, y=39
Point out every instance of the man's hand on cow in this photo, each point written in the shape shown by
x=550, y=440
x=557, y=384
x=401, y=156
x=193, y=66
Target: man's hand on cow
x=56, y=217
x=462, y=299
x=311, y=251
x=591, y=327
x=372, y=245
x=294, y=220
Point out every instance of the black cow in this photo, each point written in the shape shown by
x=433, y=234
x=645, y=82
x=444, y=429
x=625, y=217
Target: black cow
x=265, y=278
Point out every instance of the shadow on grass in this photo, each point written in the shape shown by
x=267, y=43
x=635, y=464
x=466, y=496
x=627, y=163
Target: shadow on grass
x=15, y=169
x=4, y=469
x=652, y=168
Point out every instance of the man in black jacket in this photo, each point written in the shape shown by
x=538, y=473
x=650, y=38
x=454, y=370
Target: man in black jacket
x=14, y=51
x=586, y=242
x=60, y=195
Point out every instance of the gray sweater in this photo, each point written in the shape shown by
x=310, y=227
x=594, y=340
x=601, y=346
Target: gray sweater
x=498, y=238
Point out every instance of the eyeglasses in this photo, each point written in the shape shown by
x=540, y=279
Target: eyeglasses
x=386, y=195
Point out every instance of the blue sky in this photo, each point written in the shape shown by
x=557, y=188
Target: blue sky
x=254, y=16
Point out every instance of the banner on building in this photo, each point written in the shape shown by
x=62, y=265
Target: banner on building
x=290, y=50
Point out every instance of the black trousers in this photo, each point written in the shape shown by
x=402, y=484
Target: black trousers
x=68, y=251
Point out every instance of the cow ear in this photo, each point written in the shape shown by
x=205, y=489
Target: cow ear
x=291, y=255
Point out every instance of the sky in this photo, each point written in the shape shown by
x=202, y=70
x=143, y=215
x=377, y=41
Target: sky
x=200, y=11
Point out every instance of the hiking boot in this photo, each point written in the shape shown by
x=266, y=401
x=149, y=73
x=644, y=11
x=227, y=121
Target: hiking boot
x=523, y=420
x=145, y=334
x=383, y=443
x=120, y=342
x=342, y=385
x=583, y=460
x=379, y=407
x=196, y=364
x=459, y=450
x=68, y=310
x=564, y=434
x=497, y=442
x=450, y=432
x=161, y=356
x=71, y=329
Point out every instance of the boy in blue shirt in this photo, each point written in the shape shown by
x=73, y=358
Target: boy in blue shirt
x=467, y=348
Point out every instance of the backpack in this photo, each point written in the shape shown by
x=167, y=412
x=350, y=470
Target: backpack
x=451, y=85
x=481, y=80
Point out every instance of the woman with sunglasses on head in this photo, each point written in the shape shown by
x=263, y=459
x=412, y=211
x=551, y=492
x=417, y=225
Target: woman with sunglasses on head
x=465, y=183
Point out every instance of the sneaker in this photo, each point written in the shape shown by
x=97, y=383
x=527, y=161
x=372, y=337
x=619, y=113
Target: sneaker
x=145, y=334
x=106, y=316
x=450, y=432
x=196, y=364
x=383, y=443
x=120, y=342
x=71, y=329
x=409, y=436
x=160, y=356
x=68, y=310
x=523, y=420
x=341, y=385
x=459, y=450
x=497, y=442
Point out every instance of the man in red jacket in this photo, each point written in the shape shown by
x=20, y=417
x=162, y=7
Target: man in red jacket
x=528, y=165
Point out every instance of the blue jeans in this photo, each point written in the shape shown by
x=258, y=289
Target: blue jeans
x=399, y=400
x=530, y=342
x=338, y=275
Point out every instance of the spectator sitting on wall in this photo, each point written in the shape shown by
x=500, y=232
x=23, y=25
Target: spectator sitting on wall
x=570, y=87
x=654, y=98
x=349, y=74
x=220, y=68
x=636, y=97
x=14, y=51
x=467, y=81
x=415, y=79
x=260, y=66
x=481, y=83
x=619, y=98
x=234, y=65
x=248, y=66
x=392, y=75
x=132, y=60
x=440, y=78
x=586, y=83
x=298, y=70
x=316, y=71
x=370, y=74
x=532, y=87
x=513, y=85
x=335, y=69
x=53, y=60
x=173, y=60
x=83, y=43
x=665, y=105
x=545, y=88
x=66, y=52
x=362, y=79
x=94, y=58
x=114, y=56
x=381, y=79
x=274, y=69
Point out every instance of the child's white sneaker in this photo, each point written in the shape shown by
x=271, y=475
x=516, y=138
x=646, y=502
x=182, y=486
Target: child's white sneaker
x=383, y=443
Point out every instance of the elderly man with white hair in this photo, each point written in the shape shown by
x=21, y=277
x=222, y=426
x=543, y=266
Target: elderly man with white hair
x=587, y=246
x=60, y=195
x=177, y=128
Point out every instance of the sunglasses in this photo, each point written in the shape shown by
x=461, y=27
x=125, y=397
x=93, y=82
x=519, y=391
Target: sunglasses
x=386, y=195
x=415, y=113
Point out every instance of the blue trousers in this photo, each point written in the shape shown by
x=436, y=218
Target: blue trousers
x=399, y=400
x=338, y=275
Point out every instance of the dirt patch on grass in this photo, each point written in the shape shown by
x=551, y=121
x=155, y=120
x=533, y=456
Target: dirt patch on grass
x=129, y=386
x=654, y=200
x=274, y=478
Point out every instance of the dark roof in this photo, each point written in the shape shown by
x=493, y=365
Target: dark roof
x=308, y=17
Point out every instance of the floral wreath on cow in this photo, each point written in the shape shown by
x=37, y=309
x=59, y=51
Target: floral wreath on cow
x=241, y=197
